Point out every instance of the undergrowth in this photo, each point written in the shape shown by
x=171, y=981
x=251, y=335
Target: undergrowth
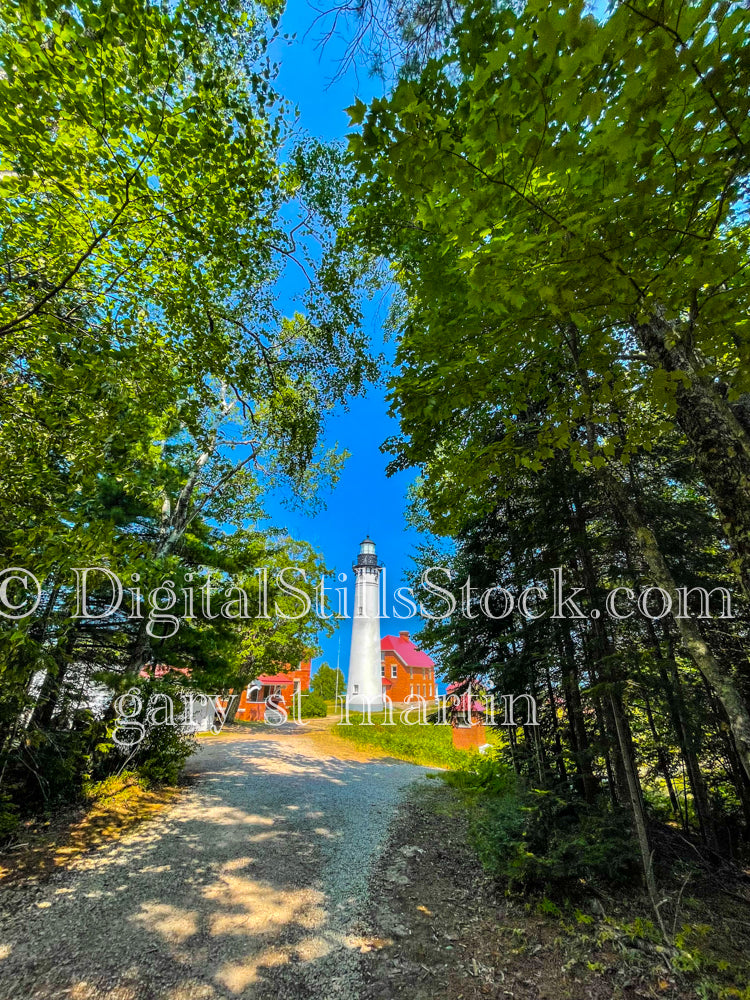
x=576, y=864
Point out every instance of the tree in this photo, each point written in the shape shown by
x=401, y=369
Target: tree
x=562, y=203
x=146, y=217
x=153, y=195
x=392, y=36
x=327, y=682
x=617, y=708
x=572, y=193
x=562, y=199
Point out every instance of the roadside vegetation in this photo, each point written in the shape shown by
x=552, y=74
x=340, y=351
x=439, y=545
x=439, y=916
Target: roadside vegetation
x=154, y=193
x=430, y=745
x=577, y=867
x=561, y=195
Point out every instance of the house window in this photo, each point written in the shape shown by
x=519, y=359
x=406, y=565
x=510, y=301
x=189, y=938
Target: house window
x=382, y=669
x=394, y=670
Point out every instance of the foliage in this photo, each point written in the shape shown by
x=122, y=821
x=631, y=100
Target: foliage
x=328, y=683
x=510, y=204
x=484, y=775
x=51, y=767
x=561, y=199
x=313, y=706
x=8, y=816
x=158, y=750
x=162, y=755
x=153, y=199
x=541, y=841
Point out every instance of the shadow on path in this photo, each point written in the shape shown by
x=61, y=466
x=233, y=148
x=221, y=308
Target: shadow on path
x=251, y=886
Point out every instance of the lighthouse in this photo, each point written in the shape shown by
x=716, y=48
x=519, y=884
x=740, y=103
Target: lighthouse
x=364, y=687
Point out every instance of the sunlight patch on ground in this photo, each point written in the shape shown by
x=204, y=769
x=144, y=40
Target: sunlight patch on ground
x=230, y=816
x=258, y=908
x=172, y=924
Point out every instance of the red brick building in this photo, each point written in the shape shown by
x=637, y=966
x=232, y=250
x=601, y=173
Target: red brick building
x=467, y=721
x=404, y=669
x=283, y=685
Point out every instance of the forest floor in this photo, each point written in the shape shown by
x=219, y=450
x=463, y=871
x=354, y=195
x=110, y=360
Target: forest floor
x=449, y=932
x=297, y=866
x=47, y=843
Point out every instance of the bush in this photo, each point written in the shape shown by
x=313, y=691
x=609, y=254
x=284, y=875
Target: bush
x=8, y=816
x=155, y=747
x=543, y=840
x=482, y=774
x=540, y=840
x=162, y=754
x=48, y=767
x=313, y=706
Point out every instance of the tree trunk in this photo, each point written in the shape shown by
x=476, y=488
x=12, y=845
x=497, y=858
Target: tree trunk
x=561, y=770
x=53, y=684
x=579, y=737
x=233, y=703
x=735, y=770
x=636, y=802
x=662, y=759
x=685, y=737
x=717, y=676
x=719, y=441
x=602, y=646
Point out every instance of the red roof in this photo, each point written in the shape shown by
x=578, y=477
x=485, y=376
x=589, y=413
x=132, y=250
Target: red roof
x=275, y=679
x=406, y=651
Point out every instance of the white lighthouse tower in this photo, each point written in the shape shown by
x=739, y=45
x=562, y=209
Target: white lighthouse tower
x=364, y=686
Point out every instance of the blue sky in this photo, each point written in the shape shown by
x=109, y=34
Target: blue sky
x=364, y=501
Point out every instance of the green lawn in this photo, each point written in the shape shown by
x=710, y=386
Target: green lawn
x=432, y=745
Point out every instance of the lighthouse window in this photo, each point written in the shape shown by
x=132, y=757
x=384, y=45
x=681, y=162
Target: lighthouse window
x=356, y=688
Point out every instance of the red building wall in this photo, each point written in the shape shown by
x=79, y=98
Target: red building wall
x=405, y=670
x=252, y=709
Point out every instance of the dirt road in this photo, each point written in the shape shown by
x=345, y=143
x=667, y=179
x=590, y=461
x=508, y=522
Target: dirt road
x=253, y=885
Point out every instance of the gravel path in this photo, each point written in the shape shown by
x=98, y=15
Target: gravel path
x=252, y=885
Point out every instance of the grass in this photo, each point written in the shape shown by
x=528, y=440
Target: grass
x=429, y=745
